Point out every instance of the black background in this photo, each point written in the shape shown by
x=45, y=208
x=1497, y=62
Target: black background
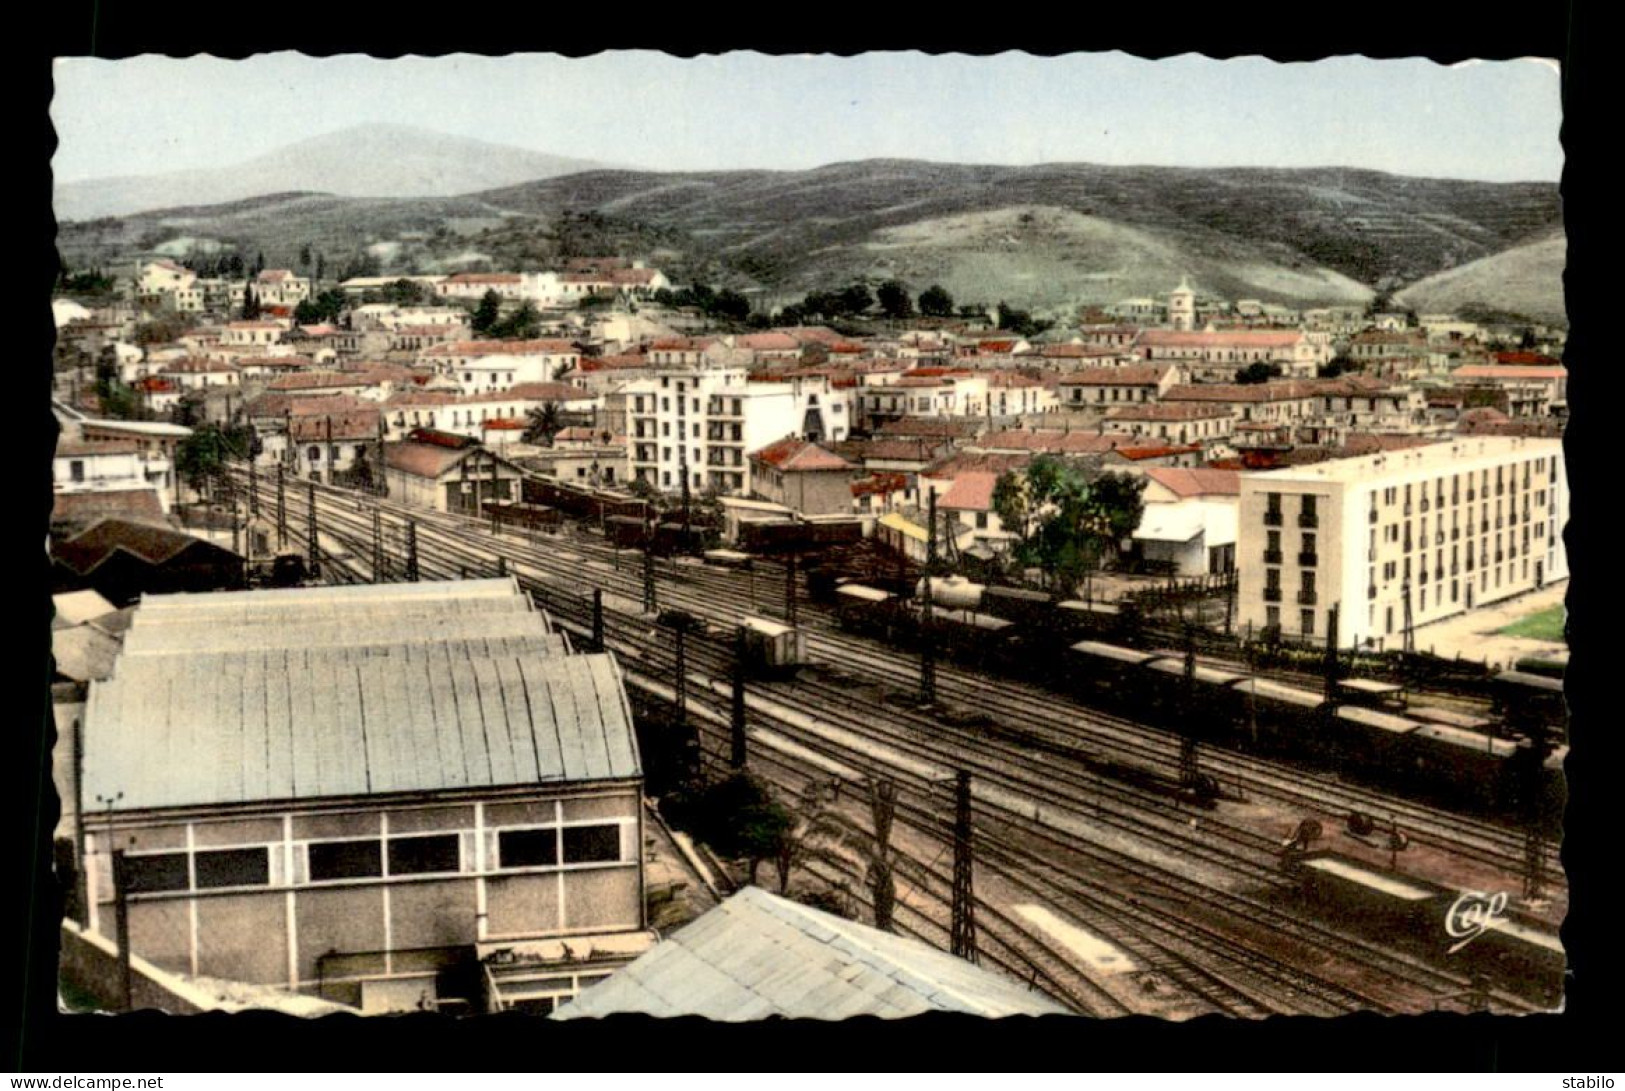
x=1577, y=1041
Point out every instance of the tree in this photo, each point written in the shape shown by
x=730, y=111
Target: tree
x=894, y=300
x=543, y=424
x=936, y=302
x=251, y=305
x=201, y=457
x=1066, y=518
x=259, y=262
x=523, y=324
x=856, y=299
x=403, y=293
x=321, y=266
x=1258, y=373
x=487, y=313
x=1336, y=366
x=1020, y=323
x=730, y=304
x=304, y=256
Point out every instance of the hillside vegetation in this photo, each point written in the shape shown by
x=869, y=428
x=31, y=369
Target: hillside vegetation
x=1050, y=236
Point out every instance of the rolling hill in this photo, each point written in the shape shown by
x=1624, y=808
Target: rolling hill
x=362, y=161
x=1525, y=280
x=1049, y=237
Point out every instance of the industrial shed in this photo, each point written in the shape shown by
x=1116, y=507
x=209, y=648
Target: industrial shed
x=448, y=473
x=757, y=955
x=363, y=793
x=121, y=560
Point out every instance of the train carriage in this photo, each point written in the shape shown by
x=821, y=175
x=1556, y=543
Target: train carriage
x=771, y=648
x=1369, y=739
x=1215, y=703
x=1531, y=701
x=1018, y=604
x=1278, y=717
x=1464, y=764
x=1109, y=674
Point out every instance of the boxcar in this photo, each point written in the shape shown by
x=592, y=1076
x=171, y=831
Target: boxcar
x=1522, y=698
x=772, y=647
x=1369, y=738
x=626, y=531
x=1109, y=674
x=1018, y=604
x=1461, y=764
x=1278, y=717
x=1372, y=693
x=1211, y=690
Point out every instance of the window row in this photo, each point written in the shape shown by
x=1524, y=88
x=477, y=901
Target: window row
x=371, y=857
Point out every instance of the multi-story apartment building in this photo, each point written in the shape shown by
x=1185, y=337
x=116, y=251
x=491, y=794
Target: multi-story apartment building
x=1448, y=526
x=703, y=423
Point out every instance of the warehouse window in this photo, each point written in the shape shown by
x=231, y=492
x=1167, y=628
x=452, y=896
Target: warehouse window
x=424, y=855
x=528, y=848
x=232, y=867
x=592, y=844
x=150, y=872
x=344, y=860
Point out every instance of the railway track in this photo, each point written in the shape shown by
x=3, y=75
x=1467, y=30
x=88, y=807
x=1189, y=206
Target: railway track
x=1252, y=981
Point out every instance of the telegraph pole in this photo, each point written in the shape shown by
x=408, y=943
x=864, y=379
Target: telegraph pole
x=411, y=551
x=121, y=929
x=790, y=589
x=315, y=552
x=598, y=619
x=377, y=545
x=928, y=651
x=649, y=603
x=1190, y=769
x=281, y=505
x=736, y=708
x=1330, y=666
x=964, y=900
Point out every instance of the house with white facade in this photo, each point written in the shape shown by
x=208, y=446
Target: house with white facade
x=484, y=366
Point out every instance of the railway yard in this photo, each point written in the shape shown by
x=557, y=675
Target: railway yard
x=1099, y=879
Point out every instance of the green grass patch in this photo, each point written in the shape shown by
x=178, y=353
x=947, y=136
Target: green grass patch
x=1545, y=625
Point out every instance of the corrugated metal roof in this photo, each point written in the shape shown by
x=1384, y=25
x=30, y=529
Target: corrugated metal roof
x=303, y=724
x=757, y=955
x=300, y=694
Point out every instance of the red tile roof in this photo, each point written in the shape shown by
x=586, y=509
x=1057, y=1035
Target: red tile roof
x=1198, y=482
x=483, y=278
x=1133, y=375
x=1259, y=339
x=347, y=427
x=971, y=491
x=540, y=347
x=1159, y=411
x=541, y=392
x=194, y=365
x=1509, y=372
x=792, y=455
x=1283, y=391
x=1142, y=454
x=317, y=380
x=1050, y=442
x=880, y=484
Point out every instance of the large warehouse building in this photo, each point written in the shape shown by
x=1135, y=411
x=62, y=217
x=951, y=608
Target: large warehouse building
x=1449, y=526
x=393, y=797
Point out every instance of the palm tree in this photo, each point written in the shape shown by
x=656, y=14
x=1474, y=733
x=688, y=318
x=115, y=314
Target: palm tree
x=544, y=424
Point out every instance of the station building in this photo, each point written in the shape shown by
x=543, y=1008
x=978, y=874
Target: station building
x=1449, y=526
x=394, y=797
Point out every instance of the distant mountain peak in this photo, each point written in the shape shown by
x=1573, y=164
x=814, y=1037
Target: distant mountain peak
x=370, y=159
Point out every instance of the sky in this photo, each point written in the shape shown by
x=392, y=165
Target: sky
x=1483, y=120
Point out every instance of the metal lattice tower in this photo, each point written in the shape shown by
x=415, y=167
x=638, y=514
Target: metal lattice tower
x=964, y=903
x=377, y=545
x=649, y=604
x=1190, y=768
x=928, y=651
x=281, y=505
x=1330, y=668
x=736, y=709
x=411, y=551
x=315, y=549
x=790, y=589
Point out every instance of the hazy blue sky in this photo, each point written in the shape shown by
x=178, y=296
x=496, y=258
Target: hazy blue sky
x=1493, y=120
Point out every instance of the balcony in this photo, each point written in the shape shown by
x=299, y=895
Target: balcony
x=1272, y=594
x=1272, y=518
x=1307, y=598
x=1438, y=538
x=1422, y=577
x=1308, y=520
x=1407, y=544
x=1472, y=495
x=1425, y=505
x=1371, y=591
x=1484, y=527
x=1407, y=511
x=1272, y=556
x=1438, y=573
x=1499, y=556
x=1455, y=533
x=1372, y=518
x=1455, y=568
x=1308, y=560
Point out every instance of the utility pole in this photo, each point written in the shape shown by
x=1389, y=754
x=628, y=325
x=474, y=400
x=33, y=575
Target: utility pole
x=121, y=929
x=1330, y=666
x=928, y=651
x=253, y=487
x=680, y=681
x=411, y=551
x=597, y=619
x=649, y=603
x=883, y=887
x=315, y=551
x=790, y=589
x=964, y=898
x=736, y=718
x=1190, y=769
x=377, y=545
x=330, y=450
x=281, y=505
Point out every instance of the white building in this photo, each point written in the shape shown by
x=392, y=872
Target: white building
x=485, y=366
x=703, y=423
x=1450, y=525
x=281, y=288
